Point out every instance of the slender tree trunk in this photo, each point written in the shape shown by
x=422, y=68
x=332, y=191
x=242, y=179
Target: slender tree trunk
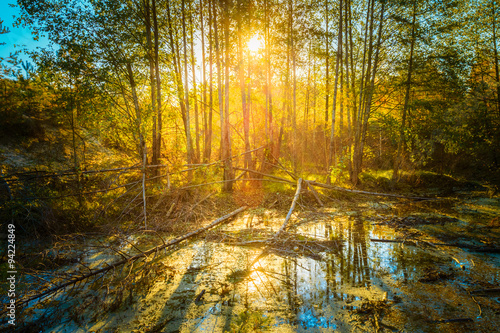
x=158, y=85
x=347, y=85
x=204, y=86
x=219, y=76
x=196, y=154
x=307, y=106
x=364, y=107
x=208, y=138
x=327, y=82
x=401, y=143
x=315, y=90
x=341, y=101
x=294, y=105
x=286, y=102
x=241, y=75
x=228, y=167
x=327, y=67
x=368, y=44
x=152, y=80
x=178, y=76
x=76, y=162
x=189, y=146
x=371, y=87
x=495, y=54
x=354, y=112
x=138, y=119
x=331, y=155
x=272, y=149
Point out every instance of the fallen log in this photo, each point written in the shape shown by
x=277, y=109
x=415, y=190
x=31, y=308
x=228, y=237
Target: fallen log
x=57, y=288
x=342, y=189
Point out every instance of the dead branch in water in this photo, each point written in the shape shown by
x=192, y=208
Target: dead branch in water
x=283, y=226
x=290, y=211
x=74, y=281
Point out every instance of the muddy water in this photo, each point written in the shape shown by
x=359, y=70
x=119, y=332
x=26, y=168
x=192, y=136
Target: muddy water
x=361, y=282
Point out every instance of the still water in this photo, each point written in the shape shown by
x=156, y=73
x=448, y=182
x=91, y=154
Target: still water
x=335, y=270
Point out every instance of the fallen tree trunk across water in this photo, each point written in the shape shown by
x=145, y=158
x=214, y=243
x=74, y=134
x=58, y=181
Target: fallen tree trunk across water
x=337, y=188
x=311, y=183
x=57, y=288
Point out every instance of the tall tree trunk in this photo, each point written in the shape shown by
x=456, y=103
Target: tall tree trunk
x=196, y=154
x=331, y=155
x=204, y=85
x=178, y=75
x=305, y=145
x=138, y=118
x=208, y=137
x=158, y=85
x=327, y=77
x=347, y=78
x=315, y=90
x=270, y=140
x=189, y=146
x=294, y=105
x=219, y=76
x=241, y=75
x=371, y=88
x=495, y=54
x=152, y=80
x=354, y=112
x=286, y=101
x=228, y=167
x=401, y=142
x=367, y=44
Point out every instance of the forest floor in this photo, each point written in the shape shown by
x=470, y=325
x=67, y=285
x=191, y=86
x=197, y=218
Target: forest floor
x=358, y=264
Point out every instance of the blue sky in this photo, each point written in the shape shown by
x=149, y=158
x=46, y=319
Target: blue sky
x=18, y=38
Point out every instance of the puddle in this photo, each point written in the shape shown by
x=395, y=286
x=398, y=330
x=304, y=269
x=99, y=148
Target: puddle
x=349, y=272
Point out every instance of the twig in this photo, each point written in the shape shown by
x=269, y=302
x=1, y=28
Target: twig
x=454, y=320
x=314, y=192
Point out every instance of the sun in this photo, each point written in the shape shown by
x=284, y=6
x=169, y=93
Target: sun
x=255, y=43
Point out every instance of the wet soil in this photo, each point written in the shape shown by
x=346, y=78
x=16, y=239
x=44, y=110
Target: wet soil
x=354, y=266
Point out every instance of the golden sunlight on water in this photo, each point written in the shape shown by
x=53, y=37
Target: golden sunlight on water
x=335, y=270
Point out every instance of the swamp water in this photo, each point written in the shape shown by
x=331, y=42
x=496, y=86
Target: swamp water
x=335, y=270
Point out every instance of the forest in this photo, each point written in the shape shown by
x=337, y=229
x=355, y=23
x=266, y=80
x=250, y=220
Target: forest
x=251, y=166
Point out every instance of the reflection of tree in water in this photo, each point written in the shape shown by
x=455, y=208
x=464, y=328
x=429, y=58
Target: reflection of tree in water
x=312, y=286
x=348, y=266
